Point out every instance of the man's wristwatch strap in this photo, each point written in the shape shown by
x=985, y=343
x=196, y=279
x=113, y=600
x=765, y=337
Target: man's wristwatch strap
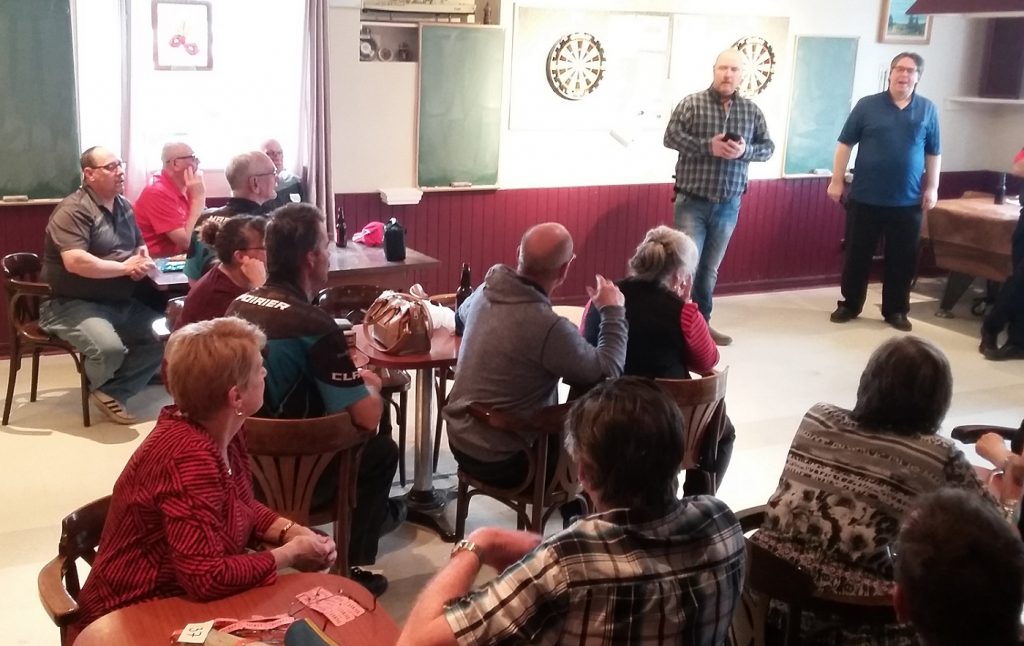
x=466, y=546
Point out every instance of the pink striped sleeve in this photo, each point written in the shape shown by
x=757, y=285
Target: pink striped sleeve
x=701, y=352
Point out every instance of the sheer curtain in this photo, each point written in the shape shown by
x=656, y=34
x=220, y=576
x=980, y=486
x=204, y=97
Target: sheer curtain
x=315, y=116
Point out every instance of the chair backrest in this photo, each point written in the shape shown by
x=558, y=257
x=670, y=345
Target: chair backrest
x=59, y=582
x=702, y=403
x=288, y=457
x=173, y=311
x=22, y=288
x=537, y=489
x=773, y=577
x=348, y=301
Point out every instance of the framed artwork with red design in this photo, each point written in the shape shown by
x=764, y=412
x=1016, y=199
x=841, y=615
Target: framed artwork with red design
x=182, y=37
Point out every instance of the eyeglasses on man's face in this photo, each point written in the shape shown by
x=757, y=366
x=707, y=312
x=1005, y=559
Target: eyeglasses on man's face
x=269, y=172
x=191, y=158
x=901, y=69
x=112, y=167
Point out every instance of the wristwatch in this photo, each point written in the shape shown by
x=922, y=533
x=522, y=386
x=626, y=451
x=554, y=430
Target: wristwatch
x=466, y=546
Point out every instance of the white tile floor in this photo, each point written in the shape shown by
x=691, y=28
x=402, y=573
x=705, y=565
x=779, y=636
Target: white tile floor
x=786, y=357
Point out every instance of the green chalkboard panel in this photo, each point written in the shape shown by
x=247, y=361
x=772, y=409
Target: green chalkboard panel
x=38, y=114
x=459, y=104
x=822, y=89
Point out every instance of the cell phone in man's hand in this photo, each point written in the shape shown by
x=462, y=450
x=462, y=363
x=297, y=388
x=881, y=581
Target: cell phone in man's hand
x=732, y=136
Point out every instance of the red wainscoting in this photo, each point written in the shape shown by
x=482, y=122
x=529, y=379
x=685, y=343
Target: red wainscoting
x=789, y=233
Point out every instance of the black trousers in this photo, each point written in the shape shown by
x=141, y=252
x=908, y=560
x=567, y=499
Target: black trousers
x=901, y=228
x=1009, y=306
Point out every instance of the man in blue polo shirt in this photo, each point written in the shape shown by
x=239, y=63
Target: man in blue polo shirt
x=896, y=179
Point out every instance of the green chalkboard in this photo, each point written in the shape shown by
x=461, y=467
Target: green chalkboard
x=822, y=89
x=459, y=104
x=38, y=114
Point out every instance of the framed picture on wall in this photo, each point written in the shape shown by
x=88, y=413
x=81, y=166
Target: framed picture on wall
x=897, y=26
x=182, y=37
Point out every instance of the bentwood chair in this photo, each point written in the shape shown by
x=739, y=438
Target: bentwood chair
x=23, y=292
x=351, y=302
x=289, y=456
x=537, y=496
x=771, y=577
x=702, y=402
x=59, y=582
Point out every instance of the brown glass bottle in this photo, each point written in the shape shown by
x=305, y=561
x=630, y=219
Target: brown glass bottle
x=461, y=294
x=339, y=227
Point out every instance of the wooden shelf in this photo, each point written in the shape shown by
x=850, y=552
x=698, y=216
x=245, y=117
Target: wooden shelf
x=985, y=101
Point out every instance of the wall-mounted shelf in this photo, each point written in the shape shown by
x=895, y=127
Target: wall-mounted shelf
x=388, y=42
x=986, y=101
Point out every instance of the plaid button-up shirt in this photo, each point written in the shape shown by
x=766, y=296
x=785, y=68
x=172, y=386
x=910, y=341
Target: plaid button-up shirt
x=697, y=119
x=611, y=580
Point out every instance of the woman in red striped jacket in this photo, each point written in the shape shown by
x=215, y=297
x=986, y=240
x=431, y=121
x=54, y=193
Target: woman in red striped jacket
x=182, y=515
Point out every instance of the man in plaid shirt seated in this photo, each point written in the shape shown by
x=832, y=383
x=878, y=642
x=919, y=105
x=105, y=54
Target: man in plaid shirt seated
x=646, y=568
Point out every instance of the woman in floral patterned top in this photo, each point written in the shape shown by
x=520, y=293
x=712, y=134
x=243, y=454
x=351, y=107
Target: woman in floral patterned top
x=851, y=475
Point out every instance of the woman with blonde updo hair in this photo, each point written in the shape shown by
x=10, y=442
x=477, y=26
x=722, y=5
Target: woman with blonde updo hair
x=668, y=337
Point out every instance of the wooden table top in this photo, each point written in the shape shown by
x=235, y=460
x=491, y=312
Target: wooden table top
x=444, y=350
x=356, y=258
x=972, y=235
x=152, y=622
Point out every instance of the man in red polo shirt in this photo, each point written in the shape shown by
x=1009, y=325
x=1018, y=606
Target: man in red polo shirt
x=167, y=209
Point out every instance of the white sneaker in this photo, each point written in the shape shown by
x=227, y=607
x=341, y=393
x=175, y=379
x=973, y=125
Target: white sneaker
x=112, y=408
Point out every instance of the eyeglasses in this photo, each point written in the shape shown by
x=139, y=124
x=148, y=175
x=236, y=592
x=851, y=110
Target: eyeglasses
x=273, y=172
x=191, y=158
x=901, y=69
x=111, y=167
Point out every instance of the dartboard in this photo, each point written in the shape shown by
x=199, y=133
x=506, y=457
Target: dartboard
x=575, y=66
x=760, y=65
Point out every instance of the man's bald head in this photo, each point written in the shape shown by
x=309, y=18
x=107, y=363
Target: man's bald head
x=272, y=147
x=544, y=252
x=729, y=68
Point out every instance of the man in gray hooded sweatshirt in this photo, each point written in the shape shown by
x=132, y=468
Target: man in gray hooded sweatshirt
x=515, y=348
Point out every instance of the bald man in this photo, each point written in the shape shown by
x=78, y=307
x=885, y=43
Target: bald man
x=167, y=209
x=515, y=348
x=251, y=177
x=289, y=187
x=717, y=133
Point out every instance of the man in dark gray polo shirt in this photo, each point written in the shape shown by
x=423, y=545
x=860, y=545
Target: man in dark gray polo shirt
x=93, y=258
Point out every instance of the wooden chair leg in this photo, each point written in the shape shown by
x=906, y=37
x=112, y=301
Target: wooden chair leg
x=442, y=393
x=79, y=363
x=461, y=510
x=12, y=375
x=401, y=412
x=35, y=374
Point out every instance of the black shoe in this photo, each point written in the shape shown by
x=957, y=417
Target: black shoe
x=989, y=343
x=1005, y=353
x=900, y=322
x=377, y=584
x=842, y=315
x=397, y=511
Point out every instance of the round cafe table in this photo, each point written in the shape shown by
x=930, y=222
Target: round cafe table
x=425, y=504
x=151, y=623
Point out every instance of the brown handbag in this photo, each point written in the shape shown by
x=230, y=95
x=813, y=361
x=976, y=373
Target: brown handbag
x=398, y=323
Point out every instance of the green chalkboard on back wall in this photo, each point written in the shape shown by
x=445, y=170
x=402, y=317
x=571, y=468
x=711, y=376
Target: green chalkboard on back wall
x=822, y=91
x=38, y=113
x=459, y=105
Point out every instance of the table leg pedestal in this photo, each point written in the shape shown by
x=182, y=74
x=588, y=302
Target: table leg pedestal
x=427, y=506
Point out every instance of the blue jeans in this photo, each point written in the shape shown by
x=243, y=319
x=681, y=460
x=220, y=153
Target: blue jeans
x=710, y=224
x=116, y=339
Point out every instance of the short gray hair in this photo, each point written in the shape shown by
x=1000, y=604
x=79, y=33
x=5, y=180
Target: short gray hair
x=906, y=388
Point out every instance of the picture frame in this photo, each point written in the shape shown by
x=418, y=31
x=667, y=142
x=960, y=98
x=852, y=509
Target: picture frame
x=182, y=35
x=897, y=27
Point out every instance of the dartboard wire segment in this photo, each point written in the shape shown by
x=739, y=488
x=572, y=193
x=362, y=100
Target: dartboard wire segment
x=760, y=65
x=576, y=65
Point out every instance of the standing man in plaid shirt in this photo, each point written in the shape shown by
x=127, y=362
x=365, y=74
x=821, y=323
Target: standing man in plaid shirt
x=646, y=568
x=717, y=133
